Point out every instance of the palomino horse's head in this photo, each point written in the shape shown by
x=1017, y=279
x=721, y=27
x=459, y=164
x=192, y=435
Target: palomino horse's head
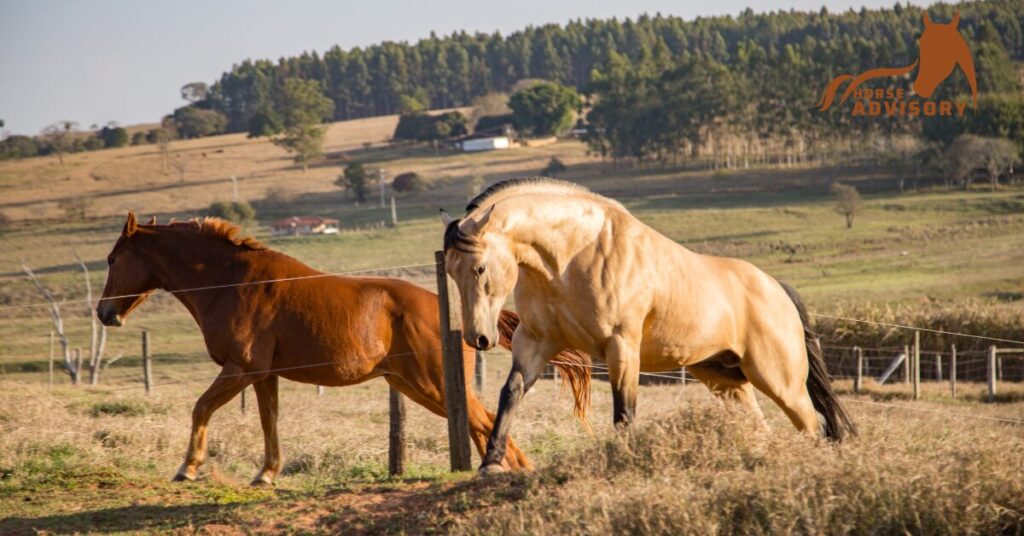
x=485, y=271
x=130, y=279
x=942, y=49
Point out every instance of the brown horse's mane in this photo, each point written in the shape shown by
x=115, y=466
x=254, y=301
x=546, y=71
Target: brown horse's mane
x=220, y=229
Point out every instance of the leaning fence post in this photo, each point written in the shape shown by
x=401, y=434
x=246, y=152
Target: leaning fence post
x=992, y=373
x=147, y=364
x=454, y=370
x=51, y=360
x=319, y=390
x=917, y=365
x=858, y=380
x=481, y=372
x=906, y=364
x=396, y=433
x=952, y=370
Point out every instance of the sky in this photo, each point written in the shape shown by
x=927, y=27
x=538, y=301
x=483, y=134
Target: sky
x=96, y=61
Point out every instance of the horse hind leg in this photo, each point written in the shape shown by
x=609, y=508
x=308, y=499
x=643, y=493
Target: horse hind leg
x=266, y=396
x=729, y=384
x=779, y=370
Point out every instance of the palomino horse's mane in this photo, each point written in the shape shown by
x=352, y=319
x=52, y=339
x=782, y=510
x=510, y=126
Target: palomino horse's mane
x=218, y=228
x=455, y=238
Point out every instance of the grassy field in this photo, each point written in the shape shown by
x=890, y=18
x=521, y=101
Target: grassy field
x=98, y=458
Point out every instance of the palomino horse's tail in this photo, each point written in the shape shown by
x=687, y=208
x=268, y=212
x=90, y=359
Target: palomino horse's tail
x=574, y=366
x=837, y=422
x=829, y=95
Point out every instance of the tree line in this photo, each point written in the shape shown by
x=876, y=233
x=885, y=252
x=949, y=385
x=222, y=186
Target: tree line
x=750, y=79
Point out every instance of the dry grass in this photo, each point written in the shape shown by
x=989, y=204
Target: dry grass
x=98, y=460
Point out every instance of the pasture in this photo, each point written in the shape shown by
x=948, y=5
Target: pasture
x=81, y=459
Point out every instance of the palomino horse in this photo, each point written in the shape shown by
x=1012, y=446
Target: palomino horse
x=304, y=326
x=942, y=49
x=589, y=276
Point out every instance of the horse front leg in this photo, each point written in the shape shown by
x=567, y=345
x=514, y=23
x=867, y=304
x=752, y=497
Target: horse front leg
x=529, y=355
x=229, y=383
x=266, y=397
x=623, y=357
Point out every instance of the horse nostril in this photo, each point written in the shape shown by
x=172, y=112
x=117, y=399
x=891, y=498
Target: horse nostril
x=482, y=343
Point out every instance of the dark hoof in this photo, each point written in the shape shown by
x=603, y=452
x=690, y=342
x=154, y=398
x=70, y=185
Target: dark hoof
x=182, y=477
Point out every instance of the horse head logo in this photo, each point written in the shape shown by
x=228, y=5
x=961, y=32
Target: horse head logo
x=942, y=48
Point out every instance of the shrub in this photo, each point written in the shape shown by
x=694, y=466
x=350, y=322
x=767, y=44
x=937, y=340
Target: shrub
x=123, y=408
x=554, y=168
x=280, y=196
x=139, y=138
x=408, y=182
x=240, y=212
x=425, y=127
x=720, y=175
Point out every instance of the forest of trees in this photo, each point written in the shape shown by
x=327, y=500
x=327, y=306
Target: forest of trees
x=655, y=84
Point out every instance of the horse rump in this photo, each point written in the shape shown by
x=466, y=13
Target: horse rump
x=573, y=366
x=838, y=424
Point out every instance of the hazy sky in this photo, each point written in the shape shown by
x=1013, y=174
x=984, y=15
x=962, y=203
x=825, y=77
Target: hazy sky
x=95, y=61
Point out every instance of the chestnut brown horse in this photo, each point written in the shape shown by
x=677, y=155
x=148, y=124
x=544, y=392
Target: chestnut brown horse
x=304, y=326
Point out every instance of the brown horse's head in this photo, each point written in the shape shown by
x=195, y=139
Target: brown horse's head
x=485, y=273
x=130, y=279
x=942, y=49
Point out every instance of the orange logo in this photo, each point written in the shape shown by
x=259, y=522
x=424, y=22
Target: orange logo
x=942, y=49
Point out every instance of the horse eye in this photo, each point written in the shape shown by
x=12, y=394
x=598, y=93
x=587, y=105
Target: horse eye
x=480, y=270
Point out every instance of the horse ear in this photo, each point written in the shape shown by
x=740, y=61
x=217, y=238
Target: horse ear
x=471, y=227
x=152, y=221
x=446, y=218
x=927, y=20
x=956, y=19
x=130, y=225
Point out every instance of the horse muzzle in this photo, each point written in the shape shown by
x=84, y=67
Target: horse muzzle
x=108, y=316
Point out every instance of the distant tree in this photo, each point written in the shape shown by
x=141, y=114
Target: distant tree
x=963, y=156
x=139, y=138
x=999, y=157
x=304, y=142
x=555, y=168
x=408, y=182
x=18, y=147
x=240, y=212
x=195, y=92
x=89, y=143
x=264, y=123
x=409, y=104
x=60, y=137
x=432, y=128
x=113, y=136
x=194, y=122
x=356, y=180
x=848, y=202
x=305, y=107
x=162, y=136
x=544, y=109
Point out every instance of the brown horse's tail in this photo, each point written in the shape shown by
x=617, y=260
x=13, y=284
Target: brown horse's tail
x=837, y=422
x=574, y=366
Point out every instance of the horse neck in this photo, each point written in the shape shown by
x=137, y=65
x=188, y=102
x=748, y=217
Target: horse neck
x=184, y=261
x=545, y=235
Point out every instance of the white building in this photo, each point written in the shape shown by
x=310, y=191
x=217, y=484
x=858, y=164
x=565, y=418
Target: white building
x=485, y=144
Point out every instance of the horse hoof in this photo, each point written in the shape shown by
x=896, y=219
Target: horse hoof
x=262, y=481
x=183, y=477
x=490, y=469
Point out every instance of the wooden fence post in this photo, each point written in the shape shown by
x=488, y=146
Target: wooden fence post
x=938, y=366
x=78, y=366
x=906, y=364
x=51, y=360
x=858, y=380
x=319, y=390
x=454, y=371
x=481, y=372
x=147, y=364
x=396, y=433
x=682, y=376
x=394, y=213
x=992, y=373
x=952, y=370
x=244, y=389
x=917, y=365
